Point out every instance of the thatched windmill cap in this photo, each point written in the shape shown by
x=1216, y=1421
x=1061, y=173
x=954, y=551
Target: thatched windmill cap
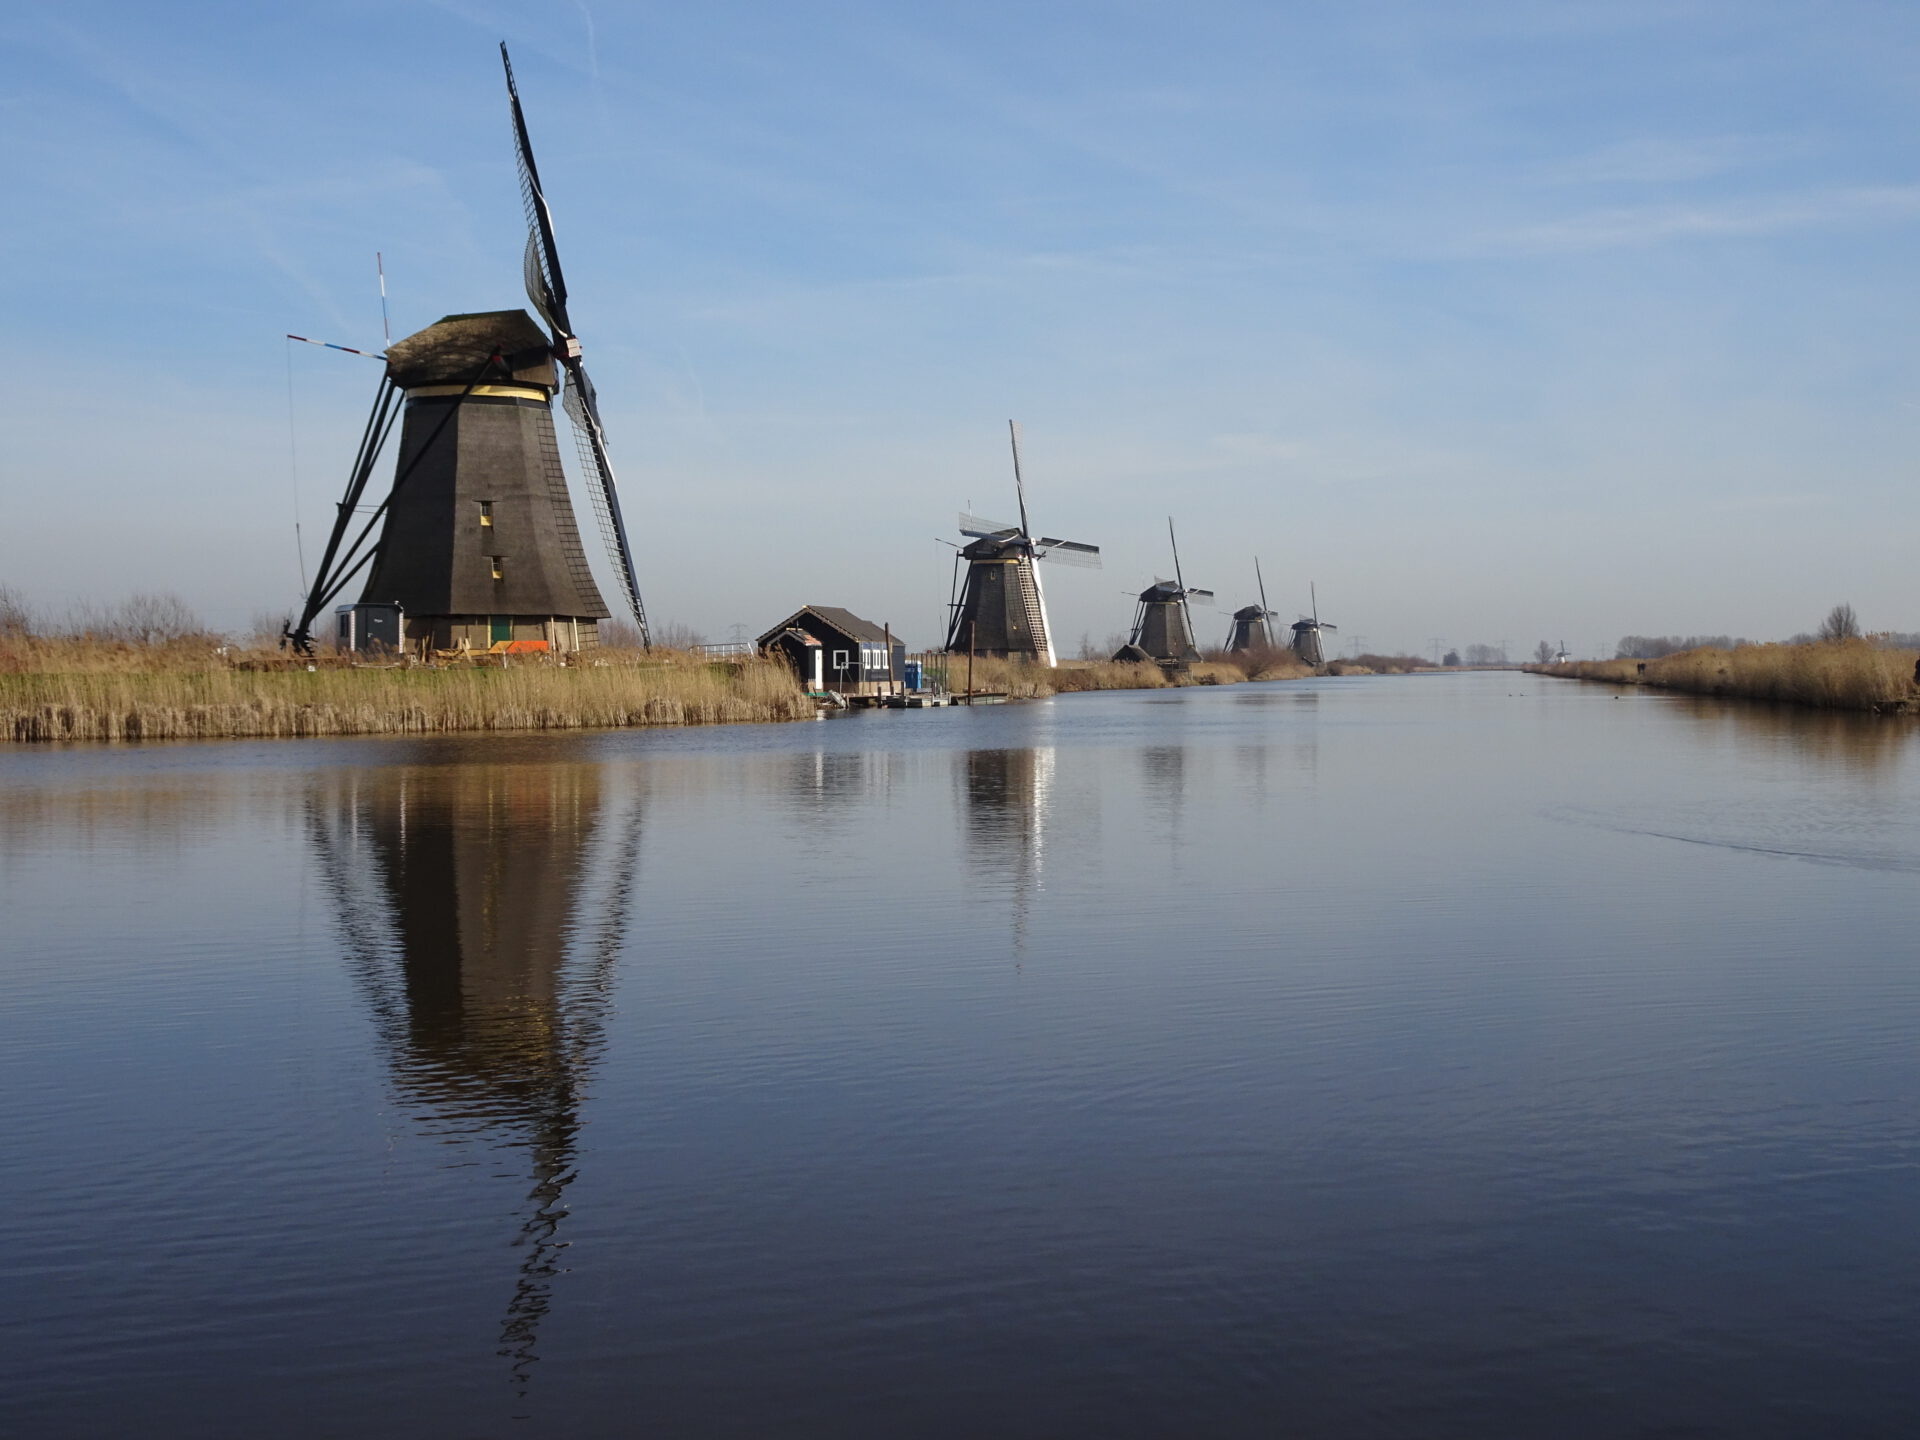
x=451, y=351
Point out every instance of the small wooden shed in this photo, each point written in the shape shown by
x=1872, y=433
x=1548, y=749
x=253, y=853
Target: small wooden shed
x=834, y=649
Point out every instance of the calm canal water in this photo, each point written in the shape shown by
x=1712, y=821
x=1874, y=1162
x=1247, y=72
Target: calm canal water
x=1442, y=1056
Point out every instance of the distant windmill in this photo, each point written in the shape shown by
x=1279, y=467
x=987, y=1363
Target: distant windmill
x=1306, y=633
x=1252, y=624
x=1002, y=611
x=1162, y=622
x=477, y=539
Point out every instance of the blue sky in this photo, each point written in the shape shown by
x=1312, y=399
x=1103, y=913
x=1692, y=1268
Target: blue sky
x=1499, y=321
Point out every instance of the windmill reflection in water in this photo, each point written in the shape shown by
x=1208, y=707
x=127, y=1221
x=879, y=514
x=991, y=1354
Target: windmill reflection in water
x=483, y=907
x=1007, y=801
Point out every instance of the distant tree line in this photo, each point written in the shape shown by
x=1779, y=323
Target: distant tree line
x=1654, y=647
x=1842, y=623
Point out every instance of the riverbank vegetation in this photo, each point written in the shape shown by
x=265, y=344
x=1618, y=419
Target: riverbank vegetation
x=242, y=701
x=147, y=671
x=1845, y=674
x=1020, y=681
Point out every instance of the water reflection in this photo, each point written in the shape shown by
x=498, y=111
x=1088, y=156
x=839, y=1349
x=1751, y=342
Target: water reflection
x=482, y=905
x=1163, y=777
x=825, y=784
x=1008, y=796
x=1869, y=746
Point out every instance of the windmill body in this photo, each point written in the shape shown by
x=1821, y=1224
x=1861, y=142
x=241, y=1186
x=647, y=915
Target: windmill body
x=1162, y=621
x=1251, y=630
x=1306, y=641
x=1252, y=624
x=1306, y=632
x=1001, y=611
x=481, y=544
x=475, y=545
x=1162, y=630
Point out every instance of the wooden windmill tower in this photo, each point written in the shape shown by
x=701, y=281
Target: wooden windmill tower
x=477, y=542
x=1306, y=632
x=1162, y=621
x=1001, y=611
x=1252, y=624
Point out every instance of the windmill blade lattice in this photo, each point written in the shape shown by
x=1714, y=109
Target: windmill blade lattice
x=547, y=290
x=984, y=529
x=1069, y=552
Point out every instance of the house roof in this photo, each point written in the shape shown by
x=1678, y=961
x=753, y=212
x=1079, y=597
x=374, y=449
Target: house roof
x=845, y=621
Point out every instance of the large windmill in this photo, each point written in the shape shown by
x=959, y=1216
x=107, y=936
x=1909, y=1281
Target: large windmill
x=1162, y=621
x=1002, y=611
x=1306, y=632
x=477, y=542
x=1252, y=624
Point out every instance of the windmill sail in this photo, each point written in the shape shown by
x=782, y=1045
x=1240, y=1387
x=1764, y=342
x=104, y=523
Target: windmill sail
x=547, y=289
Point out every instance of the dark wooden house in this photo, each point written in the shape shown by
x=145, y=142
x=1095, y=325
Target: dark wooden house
x=834, y=649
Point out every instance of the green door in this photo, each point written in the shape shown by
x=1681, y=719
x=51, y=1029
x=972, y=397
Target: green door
x=500, y=628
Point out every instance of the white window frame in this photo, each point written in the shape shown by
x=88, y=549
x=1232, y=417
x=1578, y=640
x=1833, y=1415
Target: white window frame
x=839, y=659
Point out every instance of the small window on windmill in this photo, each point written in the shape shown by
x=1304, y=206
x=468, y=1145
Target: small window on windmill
x=486, y=518
x=499, y=561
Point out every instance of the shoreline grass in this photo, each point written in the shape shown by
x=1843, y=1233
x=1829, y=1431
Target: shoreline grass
x=1832, y=675
x=1021, y=681
x=101, y=694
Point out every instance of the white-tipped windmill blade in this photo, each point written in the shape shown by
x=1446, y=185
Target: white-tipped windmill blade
x=547, y=289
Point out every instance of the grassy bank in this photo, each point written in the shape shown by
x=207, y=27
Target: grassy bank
x=1842, y=675
x=1029, y=682
x=97, y=693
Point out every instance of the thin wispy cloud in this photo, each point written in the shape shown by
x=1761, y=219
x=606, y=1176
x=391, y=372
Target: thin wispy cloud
x=1635, y=226
x=1654, y=160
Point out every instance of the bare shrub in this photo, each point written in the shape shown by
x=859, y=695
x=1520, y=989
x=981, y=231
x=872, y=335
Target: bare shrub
x=677, y=635
x=16, y=618
x=1841, y=624
x=619, y=635
x=267, y=628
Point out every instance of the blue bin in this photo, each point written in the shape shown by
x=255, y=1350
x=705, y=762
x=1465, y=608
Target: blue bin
x=913, y=674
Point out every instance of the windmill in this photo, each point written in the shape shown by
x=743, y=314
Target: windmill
x=1306, y=632
x=1001, y=610
x=477, y=539
x=1162, y=622
x=1252, y=624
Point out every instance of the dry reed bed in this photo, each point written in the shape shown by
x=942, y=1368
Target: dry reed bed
x=223, y=703
x=1030, y=682
x=1847, y=675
